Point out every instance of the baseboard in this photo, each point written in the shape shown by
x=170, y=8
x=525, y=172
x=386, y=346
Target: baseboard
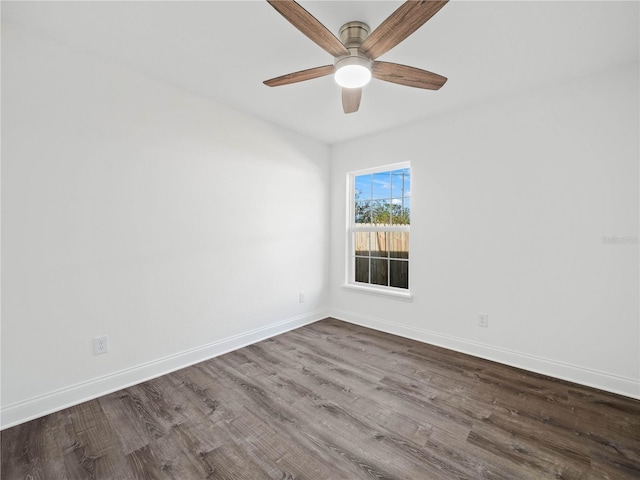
x=592, y=378
x=23, y=411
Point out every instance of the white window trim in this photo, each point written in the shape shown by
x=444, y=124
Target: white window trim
x=393, y=292
x=350, y=283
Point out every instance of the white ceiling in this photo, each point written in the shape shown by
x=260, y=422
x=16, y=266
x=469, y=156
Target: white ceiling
x=225, y=49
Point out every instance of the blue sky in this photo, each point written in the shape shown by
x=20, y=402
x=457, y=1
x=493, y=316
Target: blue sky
x=389, y=185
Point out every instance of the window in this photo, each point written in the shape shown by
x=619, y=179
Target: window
x=380, y=214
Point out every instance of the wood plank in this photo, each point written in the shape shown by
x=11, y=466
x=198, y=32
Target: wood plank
x=91, y=448
x=146, y=466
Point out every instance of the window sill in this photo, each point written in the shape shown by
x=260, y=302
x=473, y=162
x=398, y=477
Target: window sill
x=399, y=294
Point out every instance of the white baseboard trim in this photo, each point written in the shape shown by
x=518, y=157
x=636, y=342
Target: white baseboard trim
x=23, y=411
x=592, y=378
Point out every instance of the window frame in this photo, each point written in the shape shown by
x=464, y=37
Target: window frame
x=351, y=229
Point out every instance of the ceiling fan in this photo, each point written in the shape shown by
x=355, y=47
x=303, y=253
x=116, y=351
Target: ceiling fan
x=356, y=51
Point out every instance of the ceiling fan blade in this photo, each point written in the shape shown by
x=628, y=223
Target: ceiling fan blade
x=351, y=99
x=310, y=26
x=399, y=25
x=405, y=75
x=300, y=76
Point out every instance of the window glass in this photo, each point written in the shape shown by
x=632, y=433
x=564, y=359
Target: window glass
x=379, y=232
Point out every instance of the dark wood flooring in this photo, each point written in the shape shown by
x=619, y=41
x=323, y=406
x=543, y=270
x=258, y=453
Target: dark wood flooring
x=336, y=401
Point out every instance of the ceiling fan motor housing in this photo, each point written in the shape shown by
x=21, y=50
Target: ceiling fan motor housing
x=352, y=35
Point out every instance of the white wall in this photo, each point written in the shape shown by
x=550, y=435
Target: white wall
x=511, y=200
x=176, y=226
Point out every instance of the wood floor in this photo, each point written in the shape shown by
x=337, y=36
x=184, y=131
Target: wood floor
x=336, y=401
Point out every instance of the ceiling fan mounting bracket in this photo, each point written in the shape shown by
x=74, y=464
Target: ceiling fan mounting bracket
x=353, y=34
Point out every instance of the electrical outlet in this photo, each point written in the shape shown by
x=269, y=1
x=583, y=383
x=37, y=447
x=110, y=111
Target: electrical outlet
x=483, y=320
x=301, y=297
x=100, y=345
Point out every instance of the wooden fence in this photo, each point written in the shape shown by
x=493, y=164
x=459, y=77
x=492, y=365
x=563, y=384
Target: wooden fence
x=382, y=244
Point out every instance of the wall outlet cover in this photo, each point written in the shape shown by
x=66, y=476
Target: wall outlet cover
x=100, y=345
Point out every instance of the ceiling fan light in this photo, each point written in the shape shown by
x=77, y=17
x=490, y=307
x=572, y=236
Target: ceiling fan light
x=353, y=72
